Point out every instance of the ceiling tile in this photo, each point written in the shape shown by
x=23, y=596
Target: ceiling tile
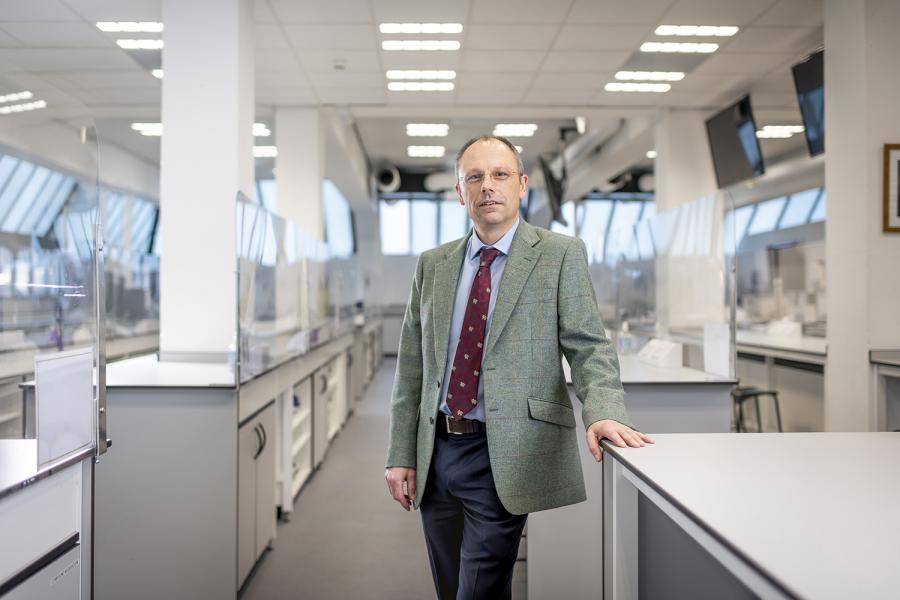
x=7, y=41
x=342, y=95
x=269, y=36
x=488, y=96
x=645, y=12
x=120, y=96
x=773, y=99
x=30, y=10
x=324, y=60
x=336, y=79
x=558, y=97
x=419, y=99
x=275, y=60
x=515, y=60
x=42, y=60
x=566, y=61
x=498, y=80
x=799, y=13
x=263, y=13
x=286, y=96
x=118, y=10
x=741, y=62
x=137, y=78
x=332, y=11
x=773, y=39
x=715, y=12
x=420, y=11
x=420, y=60
x=276, y=79
x=38, y=34
x=572, y=81
x=630, y=100
x=519, y=11
x=345, y=37
x=598, y=37
x=711, y=84
x=510, y=37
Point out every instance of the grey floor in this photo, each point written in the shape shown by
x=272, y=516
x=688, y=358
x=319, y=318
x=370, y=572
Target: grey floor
x=347, y=537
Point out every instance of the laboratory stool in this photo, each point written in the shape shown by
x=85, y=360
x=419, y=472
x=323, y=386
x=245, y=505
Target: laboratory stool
x=741, y=395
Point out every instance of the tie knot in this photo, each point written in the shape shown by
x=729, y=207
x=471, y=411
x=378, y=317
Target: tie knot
x=488, y=255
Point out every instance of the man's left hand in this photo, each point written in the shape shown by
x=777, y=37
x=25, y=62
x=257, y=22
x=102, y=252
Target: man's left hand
x=617, y=433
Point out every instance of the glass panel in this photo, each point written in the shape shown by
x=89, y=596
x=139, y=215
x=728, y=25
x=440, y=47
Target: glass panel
x=53, y=208
x=453, y=221
x=595, y=219
x=424, y=225
x=766, y=216
x=268, y=192
x=819, y=212
x=26, y=199
x=395, y=227
x=338, y=221
x=798, y=208
x=624, y=216
x=40, y=204
x=14, y=187
x=7, y=165
x=568, y=213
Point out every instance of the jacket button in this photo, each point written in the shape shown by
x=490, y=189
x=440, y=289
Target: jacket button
x=431, y=420
x=439, y=383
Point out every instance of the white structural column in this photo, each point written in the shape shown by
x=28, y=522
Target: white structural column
x=206, y=158
x=300, y=167
x=689, y=287
x=862, y=85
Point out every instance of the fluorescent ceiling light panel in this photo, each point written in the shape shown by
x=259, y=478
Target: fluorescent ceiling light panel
x=420, y=28
x=26, y=95
x=265, y=151
x=615, y=86
x=140, y=44
x=158, y=73
x=413, y=74
x=778, y=131
x=420, y=45
x=420, y=86
x=17, y=108
x=130, y=26
x=650, y=75
x=515, y=129
x=425, y=151
x=148, y=129
x=261, y=130
x=651, y=154
x=697, y=30
x=427, y=129
x=679, y=47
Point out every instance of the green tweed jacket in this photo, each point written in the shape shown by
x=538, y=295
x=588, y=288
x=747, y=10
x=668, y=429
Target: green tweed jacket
x=546, y=306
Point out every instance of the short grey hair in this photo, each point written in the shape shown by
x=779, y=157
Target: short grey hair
x=486, y=138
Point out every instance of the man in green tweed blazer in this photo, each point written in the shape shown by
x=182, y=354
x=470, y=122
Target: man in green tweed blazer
x=476, y=471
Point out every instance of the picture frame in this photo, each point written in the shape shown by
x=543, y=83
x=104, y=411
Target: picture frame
x=891, y=223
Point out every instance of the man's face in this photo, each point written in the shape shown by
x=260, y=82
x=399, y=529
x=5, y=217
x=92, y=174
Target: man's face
x=489, y=184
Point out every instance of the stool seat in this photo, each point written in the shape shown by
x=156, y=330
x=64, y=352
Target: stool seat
x=741, y=395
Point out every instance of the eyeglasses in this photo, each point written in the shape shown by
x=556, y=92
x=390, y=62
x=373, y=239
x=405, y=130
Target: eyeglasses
x=476, y=178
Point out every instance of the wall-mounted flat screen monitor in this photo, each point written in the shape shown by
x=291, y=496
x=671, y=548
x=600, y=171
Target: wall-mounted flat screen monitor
x=809, y=81
x=733, y=144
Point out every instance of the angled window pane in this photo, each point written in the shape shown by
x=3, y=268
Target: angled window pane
x=52, y=211
x=26, y=199
x=7, y=165
x=424, y=225
x=766, y=216
x=453, y=221
x=268, y=196
x=568, y=213
x=142, y=225
x=798, y=208
x=646, y=249
x=17, y=182
x=394, y=227
x=40, y=204
x=338, y=221
x=820, y=211
x=593, y=227
x=115, y=204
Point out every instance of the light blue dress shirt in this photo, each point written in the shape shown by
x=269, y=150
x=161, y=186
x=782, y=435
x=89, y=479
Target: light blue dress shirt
x=463, y=289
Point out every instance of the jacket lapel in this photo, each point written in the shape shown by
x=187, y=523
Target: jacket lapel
x=446, y=276
x=523, y=255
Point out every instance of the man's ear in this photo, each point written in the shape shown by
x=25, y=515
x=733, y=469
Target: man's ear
x=524, y=187
x=459, y=195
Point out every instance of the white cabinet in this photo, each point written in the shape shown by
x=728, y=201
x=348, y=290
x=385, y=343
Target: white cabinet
x=301, y=426
x=256, y=489
x=321, y=398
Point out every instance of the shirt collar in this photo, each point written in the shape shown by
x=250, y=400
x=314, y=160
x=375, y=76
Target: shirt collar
x=503, y=244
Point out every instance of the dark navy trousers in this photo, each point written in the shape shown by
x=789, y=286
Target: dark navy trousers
x=472, y=539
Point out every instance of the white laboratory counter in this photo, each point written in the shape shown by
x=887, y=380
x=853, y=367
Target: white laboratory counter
x=45, y=547
x=562, y=560
x=802, y=515
x=886, y=388
x=148, y=371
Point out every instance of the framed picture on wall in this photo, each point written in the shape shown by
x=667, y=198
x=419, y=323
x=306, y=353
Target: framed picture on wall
x=891, y=188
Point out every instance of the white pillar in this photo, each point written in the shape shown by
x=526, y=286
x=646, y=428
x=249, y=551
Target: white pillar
x=206, y=158
x=300, y=168
x=862, y=85
x=689, y=289
x=683, y=168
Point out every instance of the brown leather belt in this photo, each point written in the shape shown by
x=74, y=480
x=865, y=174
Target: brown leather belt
x=460, y=427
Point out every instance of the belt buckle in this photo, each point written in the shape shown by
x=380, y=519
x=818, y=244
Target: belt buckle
x=447, y=419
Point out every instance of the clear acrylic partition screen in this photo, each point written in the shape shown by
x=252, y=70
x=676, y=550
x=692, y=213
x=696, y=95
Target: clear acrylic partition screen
x=50, y=269
x=671, y=277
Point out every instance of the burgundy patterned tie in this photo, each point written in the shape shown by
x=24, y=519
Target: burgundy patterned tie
x=462, y=393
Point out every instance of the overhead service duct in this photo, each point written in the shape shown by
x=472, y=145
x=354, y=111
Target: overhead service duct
x=387, y=177
x=440, y=181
